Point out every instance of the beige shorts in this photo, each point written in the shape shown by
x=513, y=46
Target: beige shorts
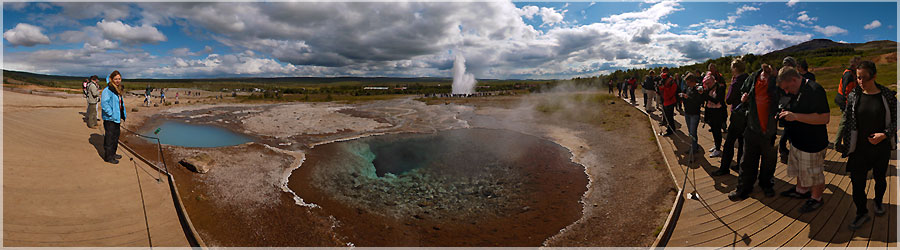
x=809, y=168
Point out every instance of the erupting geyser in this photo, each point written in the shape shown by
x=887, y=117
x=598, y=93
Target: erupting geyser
x=463, y=83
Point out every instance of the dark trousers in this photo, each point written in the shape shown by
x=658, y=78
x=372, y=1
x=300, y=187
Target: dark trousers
x=632, y=95
x=734, y=135
x=669, y=115
x=756, y=149
x=716, y=127
x=859, y=165
x=110, y=140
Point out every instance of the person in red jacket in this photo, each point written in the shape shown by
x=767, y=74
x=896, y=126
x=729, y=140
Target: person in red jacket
x=632, y=84
x=669, y=90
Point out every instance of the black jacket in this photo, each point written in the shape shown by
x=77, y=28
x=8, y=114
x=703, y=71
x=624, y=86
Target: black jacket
x=753, y=125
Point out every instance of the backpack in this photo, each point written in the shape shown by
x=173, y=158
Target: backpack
x=84, y=89
x=841, y=98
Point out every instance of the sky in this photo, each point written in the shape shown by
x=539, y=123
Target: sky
x=497, y=39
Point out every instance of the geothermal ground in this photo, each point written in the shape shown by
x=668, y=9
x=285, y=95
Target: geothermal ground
x=586, y=184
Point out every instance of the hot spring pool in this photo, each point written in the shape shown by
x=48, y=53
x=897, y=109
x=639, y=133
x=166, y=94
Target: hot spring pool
x=452, y=179
x=190, y=135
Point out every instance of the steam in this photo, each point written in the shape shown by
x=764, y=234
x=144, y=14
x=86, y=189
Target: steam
x=463, y=83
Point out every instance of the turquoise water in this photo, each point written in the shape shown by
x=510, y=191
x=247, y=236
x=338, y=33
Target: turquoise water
x=199, y=136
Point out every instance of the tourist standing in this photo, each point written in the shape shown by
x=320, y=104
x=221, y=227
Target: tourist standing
x=804, y=122
x=693, y=99
x=113, y=105
x=738, y=119
x=669, y=91
x=716, y=113
x=804, y=70
x=649, y=86
x=847, y=84
x=867, y=136
x=632, y=85
x=93, y=97
x=759, y=153
x=608, y=84
x=783, y=150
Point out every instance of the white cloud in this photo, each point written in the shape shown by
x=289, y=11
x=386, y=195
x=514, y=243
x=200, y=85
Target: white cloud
x=745, y=8
x=791, y=3
x=130, y=34
x=15, y=6
x=872, y=25
x=551, y=16
x=529, y=11
x=829, y=30
x=26, y=35
x=806, y=18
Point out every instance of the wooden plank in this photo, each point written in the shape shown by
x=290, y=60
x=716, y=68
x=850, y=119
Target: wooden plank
x=801, y=224
x=837, y=223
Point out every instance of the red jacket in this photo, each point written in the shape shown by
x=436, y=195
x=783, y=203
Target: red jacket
x=669, y=90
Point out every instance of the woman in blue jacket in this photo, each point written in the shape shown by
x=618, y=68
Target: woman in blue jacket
x=113, y=106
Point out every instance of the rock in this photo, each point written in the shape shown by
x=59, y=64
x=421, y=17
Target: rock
x=176, y=102
x=134, y=110
x=156, y=105
x=200, y=163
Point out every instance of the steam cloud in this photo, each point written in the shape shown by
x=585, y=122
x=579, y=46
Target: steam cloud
x=463, y=83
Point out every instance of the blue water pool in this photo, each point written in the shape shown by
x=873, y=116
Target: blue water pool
x=190, y=135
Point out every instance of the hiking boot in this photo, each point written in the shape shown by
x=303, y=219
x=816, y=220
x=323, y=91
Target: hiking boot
x=810, y=205
x=715, y=153
x=769, y=192
x=783, y=158
x=118, y=157
x=736, y=167
x=712, y=149
x=859, y=221
x=794, y=194
x=738, y=196
x=113, y=161
x=720, y=172
x=879, y=209
x=666, y=134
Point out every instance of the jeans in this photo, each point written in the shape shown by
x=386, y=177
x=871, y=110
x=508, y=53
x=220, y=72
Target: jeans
x=110, y=140
x=757, y=148
x=91, y=115
x=734, y=135
x=859, y=164
x=649, y=100
x=692, y=122
x=669, y=113
x=632, y=95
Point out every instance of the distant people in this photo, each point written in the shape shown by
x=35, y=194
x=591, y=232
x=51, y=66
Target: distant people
x=632, y=85
x=92, y=95
x=649, y=86
x=805, y=118
x=609, y=85
x=669, y=91
x=176, y=96
x=681, y=89
x=738, y=119
x=759, y=153
x=804, y=70
x=162, y=96
x=867, y=136
x=147, y=95
x=693, y=98
x=113, y=105
x=847, y=84
x=716, y=114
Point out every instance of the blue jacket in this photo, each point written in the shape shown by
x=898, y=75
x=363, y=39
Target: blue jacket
x=109, y=103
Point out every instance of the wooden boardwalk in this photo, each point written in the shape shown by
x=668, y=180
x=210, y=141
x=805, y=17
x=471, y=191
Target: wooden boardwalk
x=712, y=220
x=58, y=192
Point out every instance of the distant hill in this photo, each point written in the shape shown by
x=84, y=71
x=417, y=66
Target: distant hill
x=812, y=45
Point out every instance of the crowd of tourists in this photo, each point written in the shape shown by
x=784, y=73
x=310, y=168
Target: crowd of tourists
x=750, y=110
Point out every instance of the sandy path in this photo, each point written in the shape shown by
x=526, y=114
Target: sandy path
x=57, y=191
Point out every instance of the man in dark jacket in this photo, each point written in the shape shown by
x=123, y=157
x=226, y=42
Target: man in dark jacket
x=759, y=136
x=649, y=86
x=738, y=119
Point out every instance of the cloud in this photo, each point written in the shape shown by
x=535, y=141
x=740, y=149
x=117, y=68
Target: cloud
x=130, y=34
x=551, y=16
x=829, y=30
x=806, y=18
x=872, y=25
x=108, y=10
x=15, y=6
x=26, y=35
x=745, y=8
x=791, y=3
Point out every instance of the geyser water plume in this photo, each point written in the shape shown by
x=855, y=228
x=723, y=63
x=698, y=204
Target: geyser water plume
x=463, y=83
